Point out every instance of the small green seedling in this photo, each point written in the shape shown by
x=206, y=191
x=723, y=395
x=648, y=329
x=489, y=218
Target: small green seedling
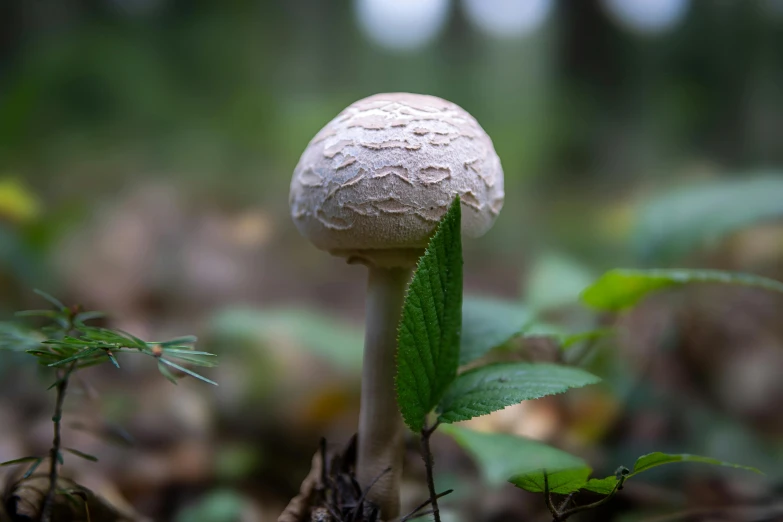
x=68, y=344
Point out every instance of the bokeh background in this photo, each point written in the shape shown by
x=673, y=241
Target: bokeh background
x=146, y=148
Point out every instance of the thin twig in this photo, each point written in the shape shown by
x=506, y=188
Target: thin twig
x=566, y=501
x=413, y=514
x=429, y=462
x=422, y=514
x=54, y=453
x=565, y=514
x=548, y=498
x=429, y=431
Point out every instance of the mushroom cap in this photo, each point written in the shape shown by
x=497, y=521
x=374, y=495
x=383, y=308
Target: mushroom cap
x=372, y=185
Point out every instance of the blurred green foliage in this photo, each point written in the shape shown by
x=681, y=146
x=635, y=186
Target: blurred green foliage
x=223, y=97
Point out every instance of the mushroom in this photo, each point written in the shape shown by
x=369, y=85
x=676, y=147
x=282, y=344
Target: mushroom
x=371, y=187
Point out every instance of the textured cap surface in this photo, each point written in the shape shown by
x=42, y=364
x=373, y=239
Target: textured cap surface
x=374, y=182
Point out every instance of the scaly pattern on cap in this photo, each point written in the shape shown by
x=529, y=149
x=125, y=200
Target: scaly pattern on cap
x=374, y=182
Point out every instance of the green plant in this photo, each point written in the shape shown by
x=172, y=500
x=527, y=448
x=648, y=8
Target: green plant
x=432, y=392
x=68, y=344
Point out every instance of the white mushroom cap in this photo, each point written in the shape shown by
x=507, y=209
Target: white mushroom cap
x=374, y=182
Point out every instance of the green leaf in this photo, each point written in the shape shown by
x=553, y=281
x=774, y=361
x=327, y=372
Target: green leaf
x=603, y=486
x=18, y=461
x=88, y=316
x=197, y=360
x=53, y=300
x=555, y=281
x=187, y=339
x=501, y=456
x=185, y=370
x=113, y=359
x=657, y=458
x=112, y=337
x=49, y=314
x=495, y=386
x=166, y=372
x=330, y=338
x=188, y=352
x=562, y=481
x=676, y=223
x=32, y=468
x=606, y=485
x=80, y=355
x=17, y=338
x=429, y=333
x=562, y=337
x=569, y=340
x=623, y=288
x=488, y=323
x=220, y=505
x=135, y=341
x=81, y=454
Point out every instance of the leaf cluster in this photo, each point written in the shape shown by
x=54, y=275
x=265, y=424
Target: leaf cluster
x=68, y=342
x=432, y=344
x=439, y=333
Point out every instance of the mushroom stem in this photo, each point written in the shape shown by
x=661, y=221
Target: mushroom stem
x=381, y=429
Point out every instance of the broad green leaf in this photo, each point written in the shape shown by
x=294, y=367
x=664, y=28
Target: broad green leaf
x=429, y=333
x=563, y=338
x=606, y=485
x=652, y=460
x=684, y=219
x=488, y=323
x=555, y=281
x=495, y=386
x=327, y=337
x=501, y=456
x=623, y=288
x=562, y=481
x=603, y=486
x=567, y=341
x=81, y=454
x=544, y=329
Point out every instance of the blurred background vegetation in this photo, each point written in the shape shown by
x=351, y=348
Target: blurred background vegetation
x=146, y=148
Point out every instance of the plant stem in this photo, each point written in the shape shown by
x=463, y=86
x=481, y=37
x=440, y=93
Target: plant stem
x=54, y=453
x=565, y=514
x=381, y=430
x=415, y=513
x=429, y=463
